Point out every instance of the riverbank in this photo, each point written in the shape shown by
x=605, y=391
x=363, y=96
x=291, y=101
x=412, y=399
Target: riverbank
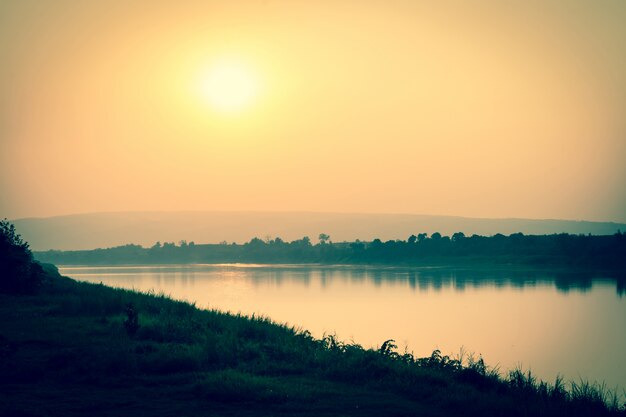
x=77, y=348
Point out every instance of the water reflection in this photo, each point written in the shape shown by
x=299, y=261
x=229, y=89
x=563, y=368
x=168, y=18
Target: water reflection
x=418, y=279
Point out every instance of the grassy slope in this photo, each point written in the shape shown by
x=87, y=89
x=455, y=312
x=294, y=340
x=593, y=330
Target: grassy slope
x=66, y=352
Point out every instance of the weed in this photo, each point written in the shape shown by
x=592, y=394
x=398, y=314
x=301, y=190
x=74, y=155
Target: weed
x=131, y=324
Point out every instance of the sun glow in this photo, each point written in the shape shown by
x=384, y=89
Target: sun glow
x=228, y=86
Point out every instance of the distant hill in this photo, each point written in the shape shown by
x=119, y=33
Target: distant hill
x=100, y=230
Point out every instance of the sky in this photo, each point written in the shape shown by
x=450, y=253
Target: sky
x=470, y=108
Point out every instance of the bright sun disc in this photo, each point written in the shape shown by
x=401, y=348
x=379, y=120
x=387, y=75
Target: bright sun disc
x=228, y=86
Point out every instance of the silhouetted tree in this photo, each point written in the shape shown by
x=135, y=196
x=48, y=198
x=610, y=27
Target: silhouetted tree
x=256, y=242
x=357, y=247
x=18, y=271
x=323, y=237
x=305, y=241
x=458, y=236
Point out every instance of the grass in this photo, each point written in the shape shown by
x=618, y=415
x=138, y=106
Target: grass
x=78, y=348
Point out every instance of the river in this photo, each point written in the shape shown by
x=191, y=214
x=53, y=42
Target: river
x=551, y=322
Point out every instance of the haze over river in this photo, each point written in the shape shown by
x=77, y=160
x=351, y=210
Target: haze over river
x=552, y=322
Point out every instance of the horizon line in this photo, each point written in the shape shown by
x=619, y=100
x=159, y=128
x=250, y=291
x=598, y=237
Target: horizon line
x=310, y=212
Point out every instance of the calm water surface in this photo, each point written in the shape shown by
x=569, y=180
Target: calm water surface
x=552, y=323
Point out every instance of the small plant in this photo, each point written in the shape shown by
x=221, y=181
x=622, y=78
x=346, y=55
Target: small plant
x=131, y=324
x=388, y=348
x=331, y=342
x=436, y=360
x=477, y=365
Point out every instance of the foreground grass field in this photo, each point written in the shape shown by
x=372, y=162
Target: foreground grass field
x=76, y=349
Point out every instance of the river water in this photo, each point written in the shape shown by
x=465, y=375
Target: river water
x=552, y=322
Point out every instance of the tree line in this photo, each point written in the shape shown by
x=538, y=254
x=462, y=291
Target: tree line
x=607, y=251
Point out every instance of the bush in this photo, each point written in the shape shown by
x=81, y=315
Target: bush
x=19, y=273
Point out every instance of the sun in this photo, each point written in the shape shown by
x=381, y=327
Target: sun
x=228, y=86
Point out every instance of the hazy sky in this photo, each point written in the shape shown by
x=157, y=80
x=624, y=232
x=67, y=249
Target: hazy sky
x=488, y=109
